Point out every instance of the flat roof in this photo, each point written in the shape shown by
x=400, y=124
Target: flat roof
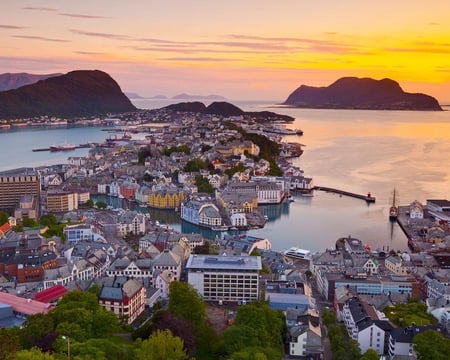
x=224, y=262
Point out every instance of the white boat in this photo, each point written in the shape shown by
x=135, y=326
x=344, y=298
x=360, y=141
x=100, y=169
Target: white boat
x=297, y=253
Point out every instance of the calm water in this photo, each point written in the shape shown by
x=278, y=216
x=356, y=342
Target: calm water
x=357, y=151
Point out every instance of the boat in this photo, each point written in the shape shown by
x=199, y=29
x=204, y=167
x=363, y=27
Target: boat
x=297, y=253
x=281, y=130
x=63, y=147
x=393, y=210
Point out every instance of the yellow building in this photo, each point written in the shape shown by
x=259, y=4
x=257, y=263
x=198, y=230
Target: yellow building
x=166, y=198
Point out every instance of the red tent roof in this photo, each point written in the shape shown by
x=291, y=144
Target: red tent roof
x=51, y=294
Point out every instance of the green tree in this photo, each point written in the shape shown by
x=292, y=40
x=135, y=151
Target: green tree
x=195, y=164
x=90, y=203
x=9, y=343
x=48, y=220
x=27, y=222
x=101, y=204
x=3, y=217
x=370, y=354
x=161, y=345
x=431, y=345
x=186, y=302
x=38, y=331
x=33, y=354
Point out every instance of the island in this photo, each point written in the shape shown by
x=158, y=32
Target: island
x=361, y=94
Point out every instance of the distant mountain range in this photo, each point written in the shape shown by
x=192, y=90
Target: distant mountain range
x=11, y=81
x=360, y=93
x=226, y=109
x=183, y=96
x=77, y=93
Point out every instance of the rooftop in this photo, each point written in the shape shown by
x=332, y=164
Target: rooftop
x=224, y=262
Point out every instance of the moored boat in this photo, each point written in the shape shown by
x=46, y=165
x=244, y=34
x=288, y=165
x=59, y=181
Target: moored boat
x=63, y=147
x=297, y=253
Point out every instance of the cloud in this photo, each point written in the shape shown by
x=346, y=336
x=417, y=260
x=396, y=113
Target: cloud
x=100, y=35
x=207, y=59
x=3, y=26
x=83, y=16
x=88, y=53
x=39, y=8
x=32, y=37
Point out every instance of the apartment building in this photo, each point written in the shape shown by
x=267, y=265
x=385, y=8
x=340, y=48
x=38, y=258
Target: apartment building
x=225, y=278
x=16, y=183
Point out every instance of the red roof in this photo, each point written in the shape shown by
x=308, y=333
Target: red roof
x=24, y=306
x=50, y=294
x=4, y=228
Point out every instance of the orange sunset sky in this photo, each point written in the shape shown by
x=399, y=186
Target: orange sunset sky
x=246, y=49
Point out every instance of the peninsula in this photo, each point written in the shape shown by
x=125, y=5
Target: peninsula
x=361, y=94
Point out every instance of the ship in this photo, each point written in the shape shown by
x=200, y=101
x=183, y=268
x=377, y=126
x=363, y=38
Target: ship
x=63, y=147
x=393, y=210
x=297, y=253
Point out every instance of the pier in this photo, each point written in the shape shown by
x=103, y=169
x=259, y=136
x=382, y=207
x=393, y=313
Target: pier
x=368, y=198
x=81, y=146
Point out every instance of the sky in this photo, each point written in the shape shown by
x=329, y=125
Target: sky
x=239, y=49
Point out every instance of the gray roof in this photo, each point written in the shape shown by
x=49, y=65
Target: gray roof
x=224, y=262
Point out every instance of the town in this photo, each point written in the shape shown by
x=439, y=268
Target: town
x=216, y=172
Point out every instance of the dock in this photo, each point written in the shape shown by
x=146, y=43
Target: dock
x=81, y=146
x=368, y=198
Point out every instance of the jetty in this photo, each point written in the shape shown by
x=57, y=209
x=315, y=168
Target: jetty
x=368, y=198
x=81, y=146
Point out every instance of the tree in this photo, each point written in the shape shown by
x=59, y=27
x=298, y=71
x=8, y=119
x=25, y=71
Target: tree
x=27, y=222
x=431, y=345
x=33, y=354
x=101, y=204
x=161, y=345
x=370, y=354
x=48, y=220
x=90, y=203
x=185, y=301
x=178, y=326
x=3, y=217
x=9, y=343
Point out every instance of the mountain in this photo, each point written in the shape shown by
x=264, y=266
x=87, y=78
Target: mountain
x=360, y=93
x=197, y=97
x=77, y=93
x=9, y=81
x=132, y=95
x=222, y=108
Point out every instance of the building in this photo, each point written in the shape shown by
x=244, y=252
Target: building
x=28, y=207
x=225, y=278
x=364, y=326
x=401, y=340
x=124, y=297
x=16, y=183
x=61, y=201
x=130, y=222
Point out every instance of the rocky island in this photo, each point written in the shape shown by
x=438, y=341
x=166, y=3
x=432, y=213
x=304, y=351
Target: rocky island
x=361, y=94
x=77, y=93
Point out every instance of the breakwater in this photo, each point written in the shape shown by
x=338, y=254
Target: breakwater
x=369, y=198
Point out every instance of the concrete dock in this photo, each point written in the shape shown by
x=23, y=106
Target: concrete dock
x=368, y=198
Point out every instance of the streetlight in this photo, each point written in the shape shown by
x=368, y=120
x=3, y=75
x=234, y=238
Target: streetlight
x=68, y=345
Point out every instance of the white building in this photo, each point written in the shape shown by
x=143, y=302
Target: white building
x=225, y=278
